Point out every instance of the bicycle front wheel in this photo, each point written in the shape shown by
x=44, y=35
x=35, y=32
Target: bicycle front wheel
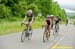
x=23, y=36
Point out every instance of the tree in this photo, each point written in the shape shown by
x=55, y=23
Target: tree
x=18, y=8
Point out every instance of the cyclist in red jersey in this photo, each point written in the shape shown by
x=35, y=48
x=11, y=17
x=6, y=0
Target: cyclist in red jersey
x=47, y=25
x=49, y=22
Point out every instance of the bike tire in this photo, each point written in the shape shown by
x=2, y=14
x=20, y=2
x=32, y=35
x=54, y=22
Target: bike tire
x=55, y=31
x=23, y=35
x=30, y=34
x=45, y=37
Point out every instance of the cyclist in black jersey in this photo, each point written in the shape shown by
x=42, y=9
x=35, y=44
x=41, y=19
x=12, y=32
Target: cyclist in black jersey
x=48, y=22
x=29, y=18
x=57, y=21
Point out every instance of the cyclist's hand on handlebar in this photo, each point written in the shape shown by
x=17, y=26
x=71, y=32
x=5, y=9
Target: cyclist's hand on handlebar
x=22, y=23
x=43, y=26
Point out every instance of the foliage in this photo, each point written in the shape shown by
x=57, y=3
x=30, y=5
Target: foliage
x=17, y=8
x=15, y=26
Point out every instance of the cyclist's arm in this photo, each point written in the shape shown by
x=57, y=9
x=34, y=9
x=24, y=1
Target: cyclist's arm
x=45, y=23
x=24, y=19
x=32, y=20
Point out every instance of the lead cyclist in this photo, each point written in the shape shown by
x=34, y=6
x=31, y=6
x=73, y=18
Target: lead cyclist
x=29, y=18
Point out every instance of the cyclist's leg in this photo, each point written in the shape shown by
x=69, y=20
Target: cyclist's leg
x=47, y=34
x=30, y=25
x=30, y=30
x=49, y=29
x=66, y=23
x=57, y=27
x=46, y=31
x=52, y=26
x=74, y=23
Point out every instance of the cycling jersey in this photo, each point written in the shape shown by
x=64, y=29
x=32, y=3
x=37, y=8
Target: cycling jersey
x=51, y=17
x=48, y=20
x=29, y=18
x=57, y=20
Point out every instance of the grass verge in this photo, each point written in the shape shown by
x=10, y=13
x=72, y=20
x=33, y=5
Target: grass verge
x=13, y=27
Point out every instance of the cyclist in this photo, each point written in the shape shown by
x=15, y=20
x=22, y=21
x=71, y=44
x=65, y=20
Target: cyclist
x=29, y=18
x=57, y=21
x=48, y=22
x=66, y=21
x=74, y=22
x=51, y=17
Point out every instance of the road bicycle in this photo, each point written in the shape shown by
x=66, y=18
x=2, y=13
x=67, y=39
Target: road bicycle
x=46, y=34
x=26, y=33
x=55, y=29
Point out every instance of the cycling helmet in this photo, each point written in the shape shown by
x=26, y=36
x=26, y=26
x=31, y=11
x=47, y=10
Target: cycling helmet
x=51, y=15
x=30, y=11
x=47, y=17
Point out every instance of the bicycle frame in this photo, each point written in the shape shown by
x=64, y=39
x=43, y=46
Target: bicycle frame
x=56, y=29
x=26, y=33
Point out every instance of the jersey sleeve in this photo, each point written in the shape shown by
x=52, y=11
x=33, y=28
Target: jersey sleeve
x=33, y=18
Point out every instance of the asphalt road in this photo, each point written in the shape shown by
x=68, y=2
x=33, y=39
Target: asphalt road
x=68, y=40
x=65, y=40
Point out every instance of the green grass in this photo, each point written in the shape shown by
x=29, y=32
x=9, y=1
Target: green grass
x=9, y=27
x=13, y=27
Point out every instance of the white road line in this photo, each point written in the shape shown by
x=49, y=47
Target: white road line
x=53, y=43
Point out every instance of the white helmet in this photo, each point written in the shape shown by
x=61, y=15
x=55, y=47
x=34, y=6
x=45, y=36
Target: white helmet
x=47, y=17
x=30, y=11
x=51, y=15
